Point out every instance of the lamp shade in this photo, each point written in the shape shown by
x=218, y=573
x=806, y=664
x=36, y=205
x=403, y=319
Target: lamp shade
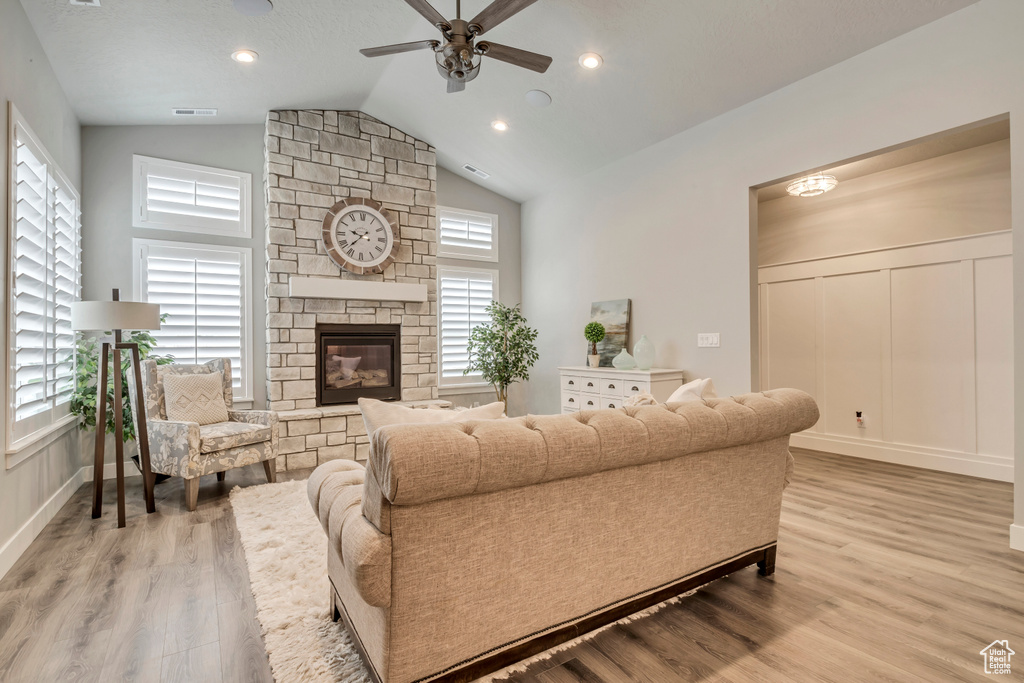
x=114, y=315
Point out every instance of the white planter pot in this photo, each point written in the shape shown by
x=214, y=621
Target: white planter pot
x=594, y=360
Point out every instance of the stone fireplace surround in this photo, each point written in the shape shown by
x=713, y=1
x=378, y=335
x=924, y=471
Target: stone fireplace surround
x=313, y=159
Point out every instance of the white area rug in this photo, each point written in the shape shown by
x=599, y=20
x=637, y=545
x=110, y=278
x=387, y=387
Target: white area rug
x=286, y=551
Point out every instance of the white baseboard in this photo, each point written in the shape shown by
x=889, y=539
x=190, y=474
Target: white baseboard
x=1017, y=536
x=970, y=464
x=24, y=536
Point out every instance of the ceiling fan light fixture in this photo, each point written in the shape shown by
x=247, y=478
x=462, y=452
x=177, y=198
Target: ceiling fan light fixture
x=244, y=56
x=812, y=185
x=591, y=60
x=499, y=126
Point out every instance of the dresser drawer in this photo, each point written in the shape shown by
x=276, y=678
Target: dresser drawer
x=611, y=386
x=571, y=399
x=632, y=388
x=590, y=402
x=570, y=382
x=611, y=401
x=590, y=385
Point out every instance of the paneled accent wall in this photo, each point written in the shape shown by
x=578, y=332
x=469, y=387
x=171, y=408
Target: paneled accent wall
x=918, y=338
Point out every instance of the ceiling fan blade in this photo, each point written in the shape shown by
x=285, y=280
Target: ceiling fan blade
x=495, y=13
x=400, y=47
x=428, y=12
x=456, y=86
x=513, y=55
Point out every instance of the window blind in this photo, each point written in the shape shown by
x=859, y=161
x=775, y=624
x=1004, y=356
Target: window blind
x=465, y=234
x=177, y=196
x=45, y=280
x=464, y=295
x=202, y=290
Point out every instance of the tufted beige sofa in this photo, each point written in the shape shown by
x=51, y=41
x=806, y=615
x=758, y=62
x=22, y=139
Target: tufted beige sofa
x=465, y=547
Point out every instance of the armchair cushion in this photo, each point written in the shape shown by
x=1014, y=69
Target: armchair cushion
x=223, y=435
x=195, y=398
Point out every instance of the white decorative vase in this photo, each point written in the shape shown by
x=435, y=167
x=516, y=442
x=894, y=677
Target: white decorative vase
x=643, y=353
x=594, y=360
x=624, y=361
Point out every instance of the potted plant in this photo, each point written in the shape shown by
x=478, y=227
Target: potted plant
x=594, y=332
x=503, y=350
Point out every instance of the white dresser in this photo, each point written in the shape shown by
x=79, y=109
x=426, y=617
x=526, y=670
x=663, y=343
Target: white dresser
x=586, y=388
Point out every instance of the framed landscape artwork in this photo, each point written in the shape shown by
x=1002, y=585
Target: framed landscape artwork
x=614, y=315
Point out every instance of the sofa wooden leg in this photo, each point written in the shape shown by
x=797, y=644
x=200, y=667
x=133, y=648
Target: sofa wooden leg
x=766, y=567
x=270, y=467
x=220, y=476
x=191, y=494
x=335, y=612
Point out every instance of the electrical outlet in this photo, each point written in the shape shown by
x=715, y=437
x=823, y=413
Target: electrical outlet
x=708, y=339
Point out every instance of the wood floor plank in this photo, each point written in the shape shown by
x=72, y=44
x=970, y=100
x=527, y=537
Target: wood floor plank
x=197, y=664
x=243, y=656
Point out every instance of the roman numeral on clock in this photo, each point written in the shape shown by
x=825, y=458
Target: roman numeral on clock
x=380, y=249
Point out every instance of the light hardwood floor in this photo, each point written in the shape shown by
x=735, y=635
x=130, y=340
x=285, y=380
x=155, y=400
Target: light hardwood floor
x=885, y=573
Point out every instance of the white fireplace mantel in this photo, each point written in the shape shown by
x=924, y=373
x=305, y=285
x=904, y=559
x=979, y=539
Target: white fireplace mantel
x=336, y=288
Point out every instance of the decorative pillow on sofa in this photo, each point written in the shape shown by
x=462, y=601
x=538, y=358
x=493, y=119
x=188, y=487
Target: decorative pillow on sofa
x=195, y=398
x=696, y=390
x=377, y=414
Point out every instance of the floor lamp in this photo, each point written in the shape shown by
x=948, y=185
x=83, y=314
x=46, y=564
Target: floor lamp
x=117, y=315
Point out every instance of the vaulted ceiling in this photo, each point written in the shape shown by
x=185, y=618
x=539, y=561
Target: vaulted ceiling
x=668, y=65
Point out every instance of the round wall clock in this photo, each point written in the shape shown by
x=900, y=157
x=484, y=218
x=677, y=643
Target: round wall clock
x=360, y=235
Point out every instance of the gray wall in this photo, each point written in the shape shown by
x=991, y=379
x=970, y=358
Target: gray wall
x=456, y=192
x=27, y=80
x=107, y=230
x=670, y=226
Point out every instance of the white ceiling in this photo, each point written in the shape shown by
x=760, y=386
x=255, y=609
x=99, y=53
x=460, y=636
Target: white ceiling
x=669, y=65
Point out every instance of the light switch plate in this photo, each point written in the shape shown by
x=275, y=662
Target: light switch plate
x=708, y=339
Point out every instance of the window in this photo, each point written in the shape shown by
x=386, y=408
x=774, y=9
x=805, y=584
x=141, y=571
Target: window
x=204, y=291
x=44, y=280
x=467, y=235
x=465, y=294
x=169, y=195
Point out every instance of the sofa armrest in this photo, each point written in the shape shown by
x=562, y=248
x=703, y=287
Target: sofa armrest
x=267, y=418
x=419, y=463
x=335, y=491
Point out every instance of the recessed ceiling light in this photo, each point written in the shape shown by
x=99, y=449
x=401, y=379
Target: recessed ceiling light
x=812, y=185
x=591, y=60
x=244, y=56
x=499, y=126
x=538, y=98
x=253, y=8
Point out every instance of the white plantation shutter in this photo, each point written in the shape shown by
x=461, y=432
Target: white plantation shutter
x=170, y=195
x=203, y=290
x=44, y=280
x=464, y=294
x=467, y=234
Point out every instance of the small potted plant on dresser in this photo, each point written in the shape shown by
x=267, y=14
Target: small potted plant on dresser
x=594, y=332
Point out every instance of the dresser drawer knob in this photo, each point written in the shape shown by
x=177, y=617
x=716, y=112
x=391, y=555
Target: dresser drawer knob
x=635, y=389
x=590, y=384
x=611, y=386
x=571, y=383
x=572, y=400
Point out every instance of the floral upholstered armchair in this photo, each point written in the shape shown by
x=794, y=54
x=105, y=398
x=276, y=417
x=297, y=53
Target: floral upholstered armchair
x=190, y=450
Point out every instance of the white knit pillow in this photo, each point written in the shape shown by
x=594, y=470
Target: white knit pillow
x=195, y=398
x=377, y=414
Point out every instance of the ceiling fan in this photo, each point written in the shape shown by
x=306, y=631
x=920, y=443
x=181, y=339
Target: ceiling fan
x=458, y=56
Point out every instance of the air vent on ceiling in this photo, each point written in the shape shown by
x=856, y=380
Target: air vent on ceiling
x=86, y=3
x=477, y=172
x=194, y=112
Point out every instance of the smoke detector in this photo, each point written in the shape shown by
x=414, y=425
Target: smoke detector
x=85, y=3
x=477, y=172
x=192, y=111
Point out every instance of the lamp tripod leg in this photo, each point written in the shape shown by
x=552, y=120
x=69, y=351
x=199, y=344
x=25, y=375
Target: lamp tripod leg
x=101, y=432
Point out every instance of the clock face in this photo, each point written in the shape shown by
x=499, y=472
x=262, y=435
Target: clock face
x=359, y=236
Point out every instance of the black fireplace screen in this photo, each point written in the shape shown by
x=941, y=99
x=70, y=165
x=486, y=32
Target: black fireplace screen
x=356, y=361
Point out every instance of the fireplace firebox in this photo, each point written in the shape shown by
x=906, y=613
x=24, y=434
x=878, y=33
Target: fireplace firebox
x=354, y=361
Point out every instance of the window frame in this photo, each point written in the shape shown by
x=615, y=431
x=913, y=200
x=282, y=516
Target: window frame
x=28, y=435
x=190, y=224
x=140, y=249
x=468, y=253
x=454, y=384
